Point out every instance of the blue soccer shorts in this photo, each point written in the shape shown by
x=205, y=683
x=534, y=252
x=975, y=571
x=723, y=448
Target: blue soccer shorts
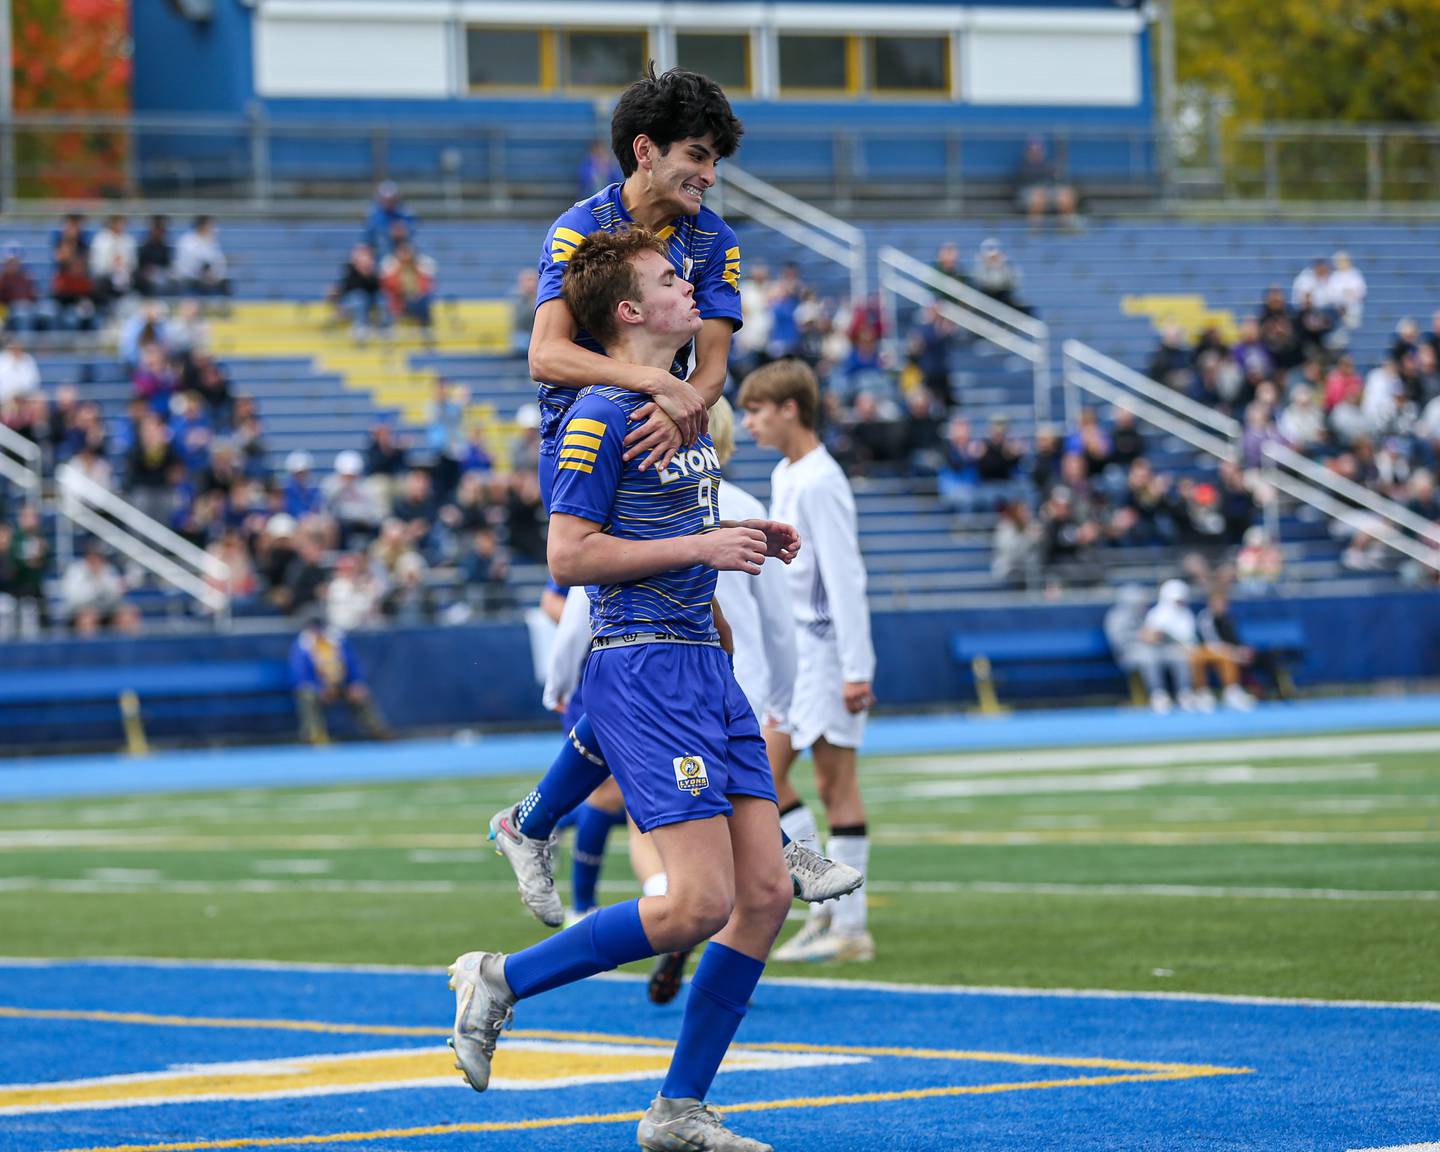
x=679, y=735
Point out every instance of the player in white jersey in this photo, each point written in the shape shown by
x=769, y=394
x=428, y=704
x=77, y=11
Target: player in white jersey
x=757, y=610
x=836, y=666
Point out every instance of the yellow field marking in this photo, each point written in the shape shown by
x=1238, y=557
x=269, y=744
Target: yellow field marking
x=323, y=1026
x=151, y=1019
x=631, y=1117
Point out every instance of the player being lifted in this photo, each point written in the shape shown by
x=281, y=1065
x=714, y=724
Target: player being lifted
x=682, y=740
x=668, y=133
x=836, y=659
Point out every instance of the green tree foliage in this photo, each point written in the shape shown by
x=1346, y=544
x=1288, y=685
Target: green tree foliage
x=1348, y=60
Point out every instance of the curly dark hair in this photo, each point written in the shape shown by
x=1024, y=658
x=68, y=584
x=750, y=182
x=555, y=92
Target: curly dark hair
x=600, y=273
x=673, y=106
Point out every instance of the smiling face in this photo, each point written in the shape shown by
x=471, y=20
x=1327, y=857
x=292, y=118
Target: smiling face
x=678, y=176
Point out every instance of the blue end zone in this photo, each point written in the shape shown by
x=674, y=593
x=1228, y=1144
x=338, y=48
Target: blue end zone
x=43, y=777
x=844, y=1068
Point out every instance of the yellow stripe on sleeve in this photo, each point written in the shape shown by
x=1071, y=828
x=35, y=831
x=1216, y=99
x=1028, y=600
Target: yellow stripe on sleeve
x=574, y=466
x=581, y=440
x=580, y=424
x=732, y=253
x=577, y=454
x=568, y=234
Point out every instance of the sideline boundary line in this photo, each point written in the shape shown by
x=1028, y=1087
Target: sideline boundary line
x=793, y=981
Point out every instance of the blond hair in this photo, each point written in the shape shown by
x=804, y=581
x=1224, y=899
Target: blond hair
x=784, y=380
x=722, y=429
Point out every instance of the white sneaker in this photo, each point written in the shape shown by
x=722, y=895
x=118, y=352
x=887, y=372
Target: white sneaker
x=1236, y=697
x=817, y=878
x=1161, y=704
x=1197, y=702
x=797, y=948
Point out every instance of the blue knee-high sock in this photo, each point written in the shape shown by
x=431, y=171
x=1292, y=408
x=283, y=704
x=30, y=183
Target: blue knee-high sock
x=719, y=994
x=611, y=937
x=576, y=772
x=592, y=829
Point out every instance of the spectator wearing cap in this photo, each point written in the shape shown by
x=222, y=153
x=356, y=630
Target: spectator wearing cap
x=323, y=671
x=993, y=274
x=1040, y=189
x=302, y=495
x=200, y=264
x=351, y=502
x=1144, y=651
x=1173, y=624
x=386, y=211
x=525, y=448
x=275, y=549
x=18, y=294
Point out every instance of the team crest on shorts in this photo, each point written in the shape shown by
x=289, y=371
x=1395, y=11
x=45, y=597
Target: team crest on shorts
x=690, y=774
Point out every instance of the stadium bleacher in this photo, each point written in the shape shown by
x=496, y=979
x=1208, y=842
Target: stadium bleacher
x=1107, y=285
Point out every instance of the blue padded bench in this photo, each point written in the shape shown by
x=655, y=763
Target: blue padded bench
x=1035, y=654
x=247, y=687
x=1071, y=654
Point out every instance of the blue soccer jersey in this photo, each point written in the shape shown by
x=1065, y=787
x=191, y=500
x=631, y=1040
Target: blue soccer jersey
x=703, y=249
x=593, y=482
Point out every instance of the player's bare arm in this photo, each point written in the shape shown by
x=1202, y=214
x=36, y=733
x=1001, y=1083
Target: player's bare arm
x=555, y=358
x=581, y=552
x=712, y=359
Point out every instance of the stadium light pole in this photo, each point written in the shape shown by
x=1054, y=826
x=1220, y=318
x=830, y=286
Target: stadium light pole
x=7, y=110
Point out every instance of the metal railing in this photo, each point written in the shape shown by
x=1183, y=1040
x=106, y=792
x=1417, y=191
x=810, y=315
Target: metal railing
x=1390, y=523
x=138, y=537
x=1007, y=328
x=806, y=225
x=20, y=463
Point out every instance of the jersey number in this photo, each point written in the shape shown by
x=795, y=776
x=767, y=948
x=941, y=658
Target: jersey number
x=707, y=492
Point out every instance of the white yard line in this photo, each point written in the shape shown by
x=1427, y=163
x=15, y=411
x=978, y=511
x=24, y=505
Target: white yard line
x=1167, y=755
x=801, y=982
x=102, y=883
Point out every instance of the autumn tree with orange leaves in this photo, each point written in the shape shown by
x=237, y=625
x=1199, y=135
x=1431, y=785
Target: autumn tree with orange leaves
x=71, y=56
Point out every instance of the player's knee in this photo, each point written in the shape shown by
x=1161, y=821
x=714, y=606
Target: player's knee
x=767, y=899
x=699, y=915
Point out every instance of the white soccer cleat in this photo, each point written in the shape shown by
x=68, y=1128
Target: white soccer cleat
x=689, y=1125
x=797, y=946
x=484, y=1006
x=831, y=947
x=817, y=878
x=533, y=866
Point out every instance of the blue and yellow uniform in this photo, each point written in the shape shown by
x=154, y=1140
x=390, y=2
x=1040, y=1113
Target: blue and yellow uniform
x=702, y=249
x=677, y=731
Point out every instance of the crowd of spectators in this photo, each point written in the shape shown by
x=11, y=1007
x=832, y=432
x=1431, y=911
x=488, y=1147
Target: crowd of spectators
x=401, y=529
x=1290, y=379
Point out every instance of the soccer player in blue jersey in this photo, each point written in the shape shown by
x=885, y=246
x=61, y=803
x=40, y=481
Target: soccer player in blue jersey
x=682, y=739
x=668, y=134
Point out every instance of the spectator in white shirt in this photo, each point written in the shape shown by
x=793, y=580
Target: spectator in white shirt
x=199, y=262
x=19, y=374
x=1315, y=282
x=93, y=594
x=1347, y=290
x=114, y=256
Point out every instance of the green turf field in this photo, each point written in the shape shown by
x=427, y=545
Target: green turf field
x=1296, y=867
